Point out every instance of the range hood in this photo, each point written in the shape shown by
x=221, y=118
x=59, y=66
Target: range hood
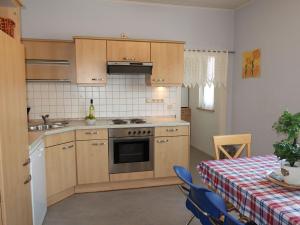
x=114, y=67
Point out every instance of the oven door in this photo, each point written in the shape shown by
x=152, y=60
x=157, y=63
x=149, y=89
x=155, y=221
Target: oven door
x=130, y=154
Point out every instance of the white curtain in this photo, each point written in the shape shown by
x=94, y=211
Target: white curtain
x=197, y=69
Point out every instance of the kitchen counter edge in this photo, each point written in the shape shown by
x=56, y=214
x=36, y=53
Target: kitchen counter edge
x=36, y=137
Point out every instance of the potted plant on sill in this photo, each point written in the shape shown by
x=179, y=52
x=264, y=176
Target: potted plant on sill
x=288, y=149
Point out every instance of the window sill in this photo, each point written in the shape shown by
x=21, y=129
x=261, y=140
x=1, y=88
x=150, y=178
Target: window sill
x=205, y=109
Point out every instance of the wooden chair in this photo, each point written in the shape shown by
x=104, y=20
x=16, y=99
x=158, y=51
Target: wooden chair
x=244, y=140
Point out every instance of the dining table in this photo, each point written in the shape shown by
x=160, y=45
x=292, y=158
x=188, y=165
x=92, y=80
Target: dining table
x=243, y=183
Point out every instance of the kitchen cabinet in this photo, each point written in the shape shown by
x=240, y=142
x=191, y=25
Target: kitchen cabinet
x=171, y=147
x=90, y=61
x=128, y=51
x=49, y=59
x=92, y=161
x=60, y=168
x=167, y=59
x=14, y=168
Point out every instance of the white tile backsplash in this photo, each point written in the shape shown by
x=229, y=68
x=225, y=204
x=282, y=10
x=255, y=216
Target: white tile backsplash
x=123, y=96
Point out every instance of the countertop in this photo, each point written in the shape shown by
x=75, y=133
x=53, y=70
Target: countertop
x=35, y=137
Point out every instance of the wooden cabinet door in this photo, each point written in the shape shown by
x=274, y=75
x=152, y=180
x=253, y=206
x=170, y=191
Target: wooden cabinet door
x=49, y=60
x=92, y=161
x=167, y=59
x=90, y=61
x=170, y=151
x=14, y=176
x=60, y=168
x=128, y=51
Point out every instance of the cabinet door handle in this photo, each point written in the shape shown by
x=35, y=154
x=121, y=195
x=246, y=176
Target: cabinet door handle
x=70, y=146
x=28, y=179
x=97, y=79
x=163, y=141
x=98, y=144
x=27, y=162
x=90, y=133
x=125, y=58
x=171, y=130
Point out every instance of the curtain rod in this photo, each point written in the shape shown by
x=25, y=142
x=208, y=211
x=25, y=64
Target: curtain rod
x=203, y=50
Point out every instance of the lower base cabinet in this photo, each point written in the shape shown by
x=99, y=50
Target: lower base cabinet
x=170, y=151
x=92, y=161
x=60, y=168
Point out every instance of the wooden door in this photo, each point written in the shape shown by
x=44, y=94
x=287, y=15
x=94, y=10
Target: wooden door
x=92, y=161
x=60, y=168
x=128, y=51
x=170, y=151
x=90, y=61
x=167, y=59
x=15, y=179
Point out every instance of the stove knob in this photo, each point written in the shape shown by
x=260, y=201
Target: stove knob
x=144, y=132
x=134, y=132
x=149, y=132
x=129, y=132
x=139, y=132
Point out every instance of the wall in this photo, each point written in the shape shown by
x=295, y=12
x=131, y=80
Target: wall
x=214, y=123
x=62, y=19
x=123, y=96
x=271, y=25
x=201, y=28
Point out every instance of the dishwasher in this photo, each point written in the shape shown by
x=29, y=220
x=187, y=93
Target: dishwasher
x=38, y=184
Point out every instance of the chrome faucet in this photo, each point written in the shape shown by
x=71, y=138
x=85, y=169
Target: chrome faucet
x=45, y=117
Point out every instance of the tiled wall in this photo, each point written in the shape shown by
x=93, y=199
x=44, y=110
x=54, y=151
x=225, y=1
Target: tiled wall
x=123, y=96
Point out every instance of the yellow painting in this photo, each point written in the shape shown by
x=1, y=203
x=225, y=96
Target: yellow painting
x=251, y=64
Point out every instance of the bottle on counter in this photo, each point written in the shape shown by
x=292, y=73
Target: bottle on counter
x=91, y=118
x=91, y=109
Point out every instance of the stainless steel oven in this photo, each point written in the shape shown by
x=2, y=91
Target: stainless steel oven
x=130, y=150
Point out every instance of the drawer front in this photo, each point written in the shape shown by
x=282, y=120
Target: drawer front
x=57, y=139
x=172, y=131
x=95, y=134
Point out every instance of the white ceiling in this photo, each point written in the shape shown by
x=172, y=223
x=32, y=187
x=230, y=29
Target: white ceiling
x=224, y=4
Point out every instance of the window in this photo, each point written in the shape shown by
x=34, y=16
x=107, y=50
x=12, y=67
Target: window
x=207, y=93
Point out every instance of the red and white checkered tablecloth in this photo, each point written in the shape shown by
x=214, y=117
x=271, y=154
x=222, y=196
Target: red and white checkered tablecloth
x=243, y=183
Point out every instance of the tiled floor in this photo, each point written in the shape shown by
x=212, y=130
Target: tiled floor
x=147, y=206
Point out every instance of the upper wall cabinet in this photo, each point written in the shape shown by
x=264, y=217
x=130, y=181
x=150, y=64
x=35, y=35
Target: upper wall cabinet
x=167, y=59
x=49, y=60
x=128, y=51
x=90, y=61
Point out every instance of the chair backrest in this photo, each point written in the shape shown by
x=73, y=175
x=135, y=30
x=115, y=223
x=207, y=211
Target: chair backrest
x=216, y=201
x=183, y=174
x=244, y=140
x=196, y=201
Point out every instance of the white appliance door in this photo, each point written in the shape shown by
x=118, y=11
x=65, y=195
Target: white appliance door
x=38, y=185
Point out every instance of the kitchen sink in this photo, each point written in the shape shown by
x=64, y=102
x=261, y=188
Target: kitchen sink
x=49, y=126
